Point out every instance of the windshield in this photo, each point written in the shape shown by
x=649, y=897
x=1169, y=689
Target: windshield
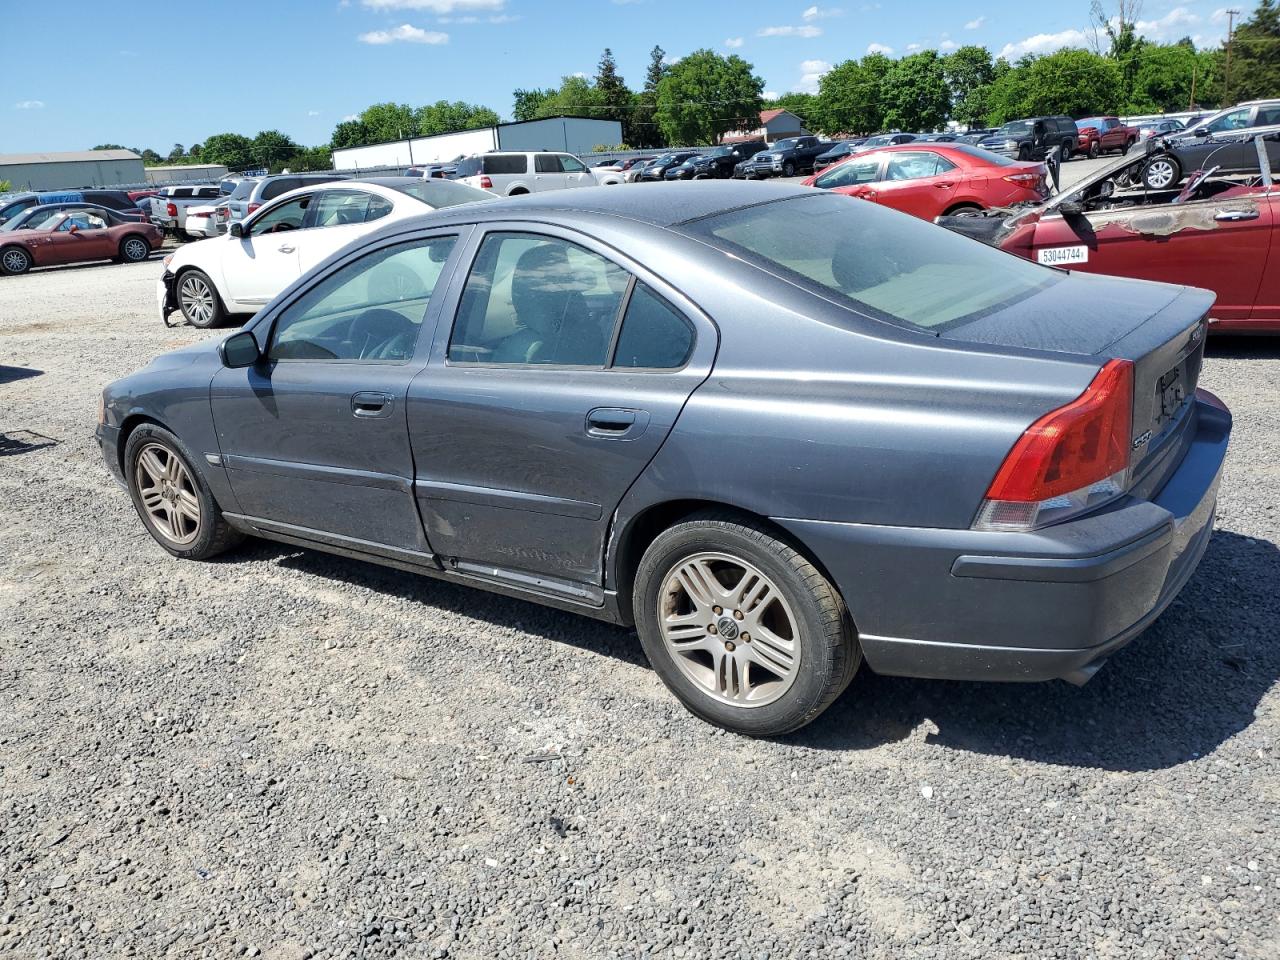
x=1089, y=122
x=1019, y=128
x=876, y=261
x=443, y=193
x=34, y=218
x=11, y=211
x=786, y=144
x=720, y=152
x=878, y=141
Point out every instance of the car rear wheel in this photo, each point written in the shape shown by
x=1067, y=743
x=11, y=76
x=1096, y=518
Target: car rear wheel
x=1161, y=173
x=14, y=260
x=788, y=169
x=964, y=210
x=1095, y=148
x=172, y=498
x=199, y=301
x=743, y=629
x=134, y=250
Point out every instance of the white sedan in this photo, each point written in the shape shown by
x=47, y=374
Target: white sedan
x=244, y=269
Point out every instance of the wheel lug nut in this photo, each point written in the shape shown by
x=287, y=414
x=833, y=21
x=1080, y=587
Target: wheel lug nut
x=728, y=646
x=745, y=638
x=717, y=610
x=711, y=628
x=737, y=614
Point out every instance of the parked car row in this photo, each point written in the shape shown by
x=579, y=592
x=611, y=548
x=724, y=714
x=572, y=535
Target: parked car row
x=62, y=233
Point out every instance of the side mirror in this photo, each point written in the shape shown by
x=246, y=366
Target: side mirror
x=1071, y=208
x=74, y=228
x=1106, y=188
x=239, y=350
x=1200, y=132
x=737, y=153
x=236, y=229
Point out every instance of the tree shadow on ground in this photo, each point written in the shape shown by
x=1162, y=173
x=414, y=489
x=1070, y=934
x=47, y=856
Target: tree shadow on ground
x=1177, y=692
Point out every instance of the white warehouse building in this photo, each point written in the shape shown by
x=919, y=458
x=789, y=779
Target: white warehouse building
x=575, y=135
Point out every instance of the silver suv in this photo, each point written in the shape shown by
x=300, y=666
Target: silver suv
x=1243, y=116
x=251, y=193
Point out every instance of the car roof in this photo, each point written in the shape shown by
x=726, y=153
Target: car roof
x=659, y=204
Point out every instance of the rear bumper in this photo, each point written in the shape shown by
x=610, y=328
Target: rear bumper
x=970, y=605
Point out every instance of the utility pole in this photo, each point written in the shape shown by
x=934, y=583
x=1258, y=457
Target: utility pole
x=1191, y=103
x=1226, y=78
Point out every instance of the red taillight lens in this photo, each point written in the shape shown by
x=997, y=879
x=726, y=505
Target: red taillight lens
x=1070, y=460
x=1024, y=179
x=252, y=207
x=486, y=183
x=171, y=209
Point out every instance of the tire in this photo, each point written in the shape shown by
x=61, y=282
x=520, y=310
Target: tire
x=1095, y=148
x=14, y=260
x=199, y=301
x=1161, y=173
x=788, y=169
x=1067, y=151
x=134, y=249
x=172, y=498
x=755, y=687
x=964, y=210
x=1024, y=154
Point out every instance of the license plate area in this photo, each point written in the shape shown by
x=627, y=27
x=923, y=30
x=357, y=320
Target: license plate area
x=1058, y=256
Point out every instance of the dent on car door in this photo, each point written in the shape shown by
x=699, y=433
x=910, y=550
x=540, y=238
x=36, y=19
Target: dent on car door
x=561, y=377
x=314, y=436
x=1221, y=245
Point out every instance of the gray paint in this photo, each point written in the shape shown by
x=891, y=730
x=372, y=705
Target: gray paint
x=871, y=444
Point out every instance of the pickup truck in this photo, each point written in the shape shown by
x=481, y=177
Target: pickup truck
x=1103, y=134
x=169, y=208
x=787, y=157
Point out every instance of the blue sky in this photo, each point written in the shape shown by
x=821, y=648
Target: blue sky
x=153, y=73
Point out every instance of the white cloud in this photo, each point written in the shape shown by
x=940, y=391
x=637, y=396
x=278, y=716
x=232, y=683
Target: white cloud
x=879, y=48
x=1044, y=43
x=913, y=47
x=733, y=43
x=1171, y=26
x=769, y=95
x=435, y=6
x=808, y=30
x=579, y=74
x=811, y=71
x=29, y=105
x=947, y=45
x=403, y=33
x=975, y=23
x=350, y=116
x=313, y=113
x=821, y=13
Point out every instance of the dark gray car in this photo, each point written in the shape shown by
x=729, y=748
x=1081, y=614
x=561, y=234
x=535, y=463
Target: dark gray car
x=777, y=430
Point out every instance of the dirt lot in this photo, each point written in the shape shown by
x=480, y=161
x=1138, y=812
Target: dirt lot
x=289, y=755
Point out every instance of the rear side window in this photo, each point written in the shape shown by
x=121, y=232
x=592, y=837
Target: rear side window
x=243, y=190
x=207, y=193
x=1267, y=116
x=875, y=261
x=506, y=163
x=274, y=188
x=915, y=166
x=653, y=335
x=546, y=163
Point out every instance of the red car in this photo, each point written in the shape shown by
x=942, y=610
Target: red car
x=1103, y=134
x=935, y=179
x=73, y=235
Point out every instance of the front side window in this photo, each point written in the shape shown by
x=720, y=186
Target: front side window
x=877, y=262
x=370, y=310
x=571, y=164
x=915, y=166
x=532, y=299
x=851, y=173
x=82, y=220
x=287, y=216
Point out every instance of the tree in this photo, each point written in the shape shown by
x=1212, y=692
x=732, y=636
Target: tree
x=970, y=73
x=445, y=117
x=705, y=95
x=645, y=130
x=273, y=150
x=575, y=96
x=350, y=133
x=231, y=150
x=916, y=95
x=389, y=121
x=527, y=102
x=151, y=158
x=1074, y=82
x=195, y=151
x=177, y=152
x=110, y=146
x=1255, y=55
x=613, y=93
x=658, y=68
x=312, y=158
x=1125, y=45
x=850, y=96
x=803, y=105
x=1165, y=75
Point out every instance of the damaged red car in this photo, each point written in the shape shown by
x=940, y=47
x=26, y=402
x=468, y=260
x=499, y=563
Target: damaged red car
x=1216, y=231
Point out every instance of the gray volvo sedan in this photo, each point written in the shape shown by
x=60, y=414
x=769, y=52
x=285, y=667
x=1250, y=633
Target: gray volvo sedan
x=777, y=430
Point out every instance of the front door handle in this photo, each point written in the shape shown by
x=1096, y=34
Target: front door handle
x=286, y=248
x=1235, y=216
x=616, y=423
x=371, y=405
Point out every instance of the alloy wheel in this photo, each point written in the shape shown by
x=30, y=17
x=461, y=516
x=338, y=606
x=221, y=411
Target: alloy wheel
x=135, y=249
x=1159, y=174
x=168, y=494
x=15, y=261
x=729, y=629
x=196, y=300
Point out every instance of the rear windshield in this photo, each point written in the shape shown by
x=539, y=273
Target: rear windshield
x=243, y=189
x=443, y=193
x=881, y=263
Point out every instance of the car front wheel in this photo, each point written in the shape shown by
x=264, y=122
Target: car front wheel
x=1161, y=173
x=199, y=301
x=134, y=250
x=743, y=629
x=14, y=260
x=172, y=498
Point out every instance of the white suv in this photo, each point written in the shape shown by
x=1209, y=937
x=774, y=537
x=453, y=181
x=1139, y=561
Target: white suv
x=511, y=174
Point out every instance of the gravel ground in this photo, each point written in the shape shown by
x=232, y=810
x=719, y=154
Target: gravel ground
x=289, y=755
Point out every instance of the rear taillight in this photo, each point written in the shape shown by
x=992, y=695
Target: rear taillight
x=486, y=183
x=171, y=209
x=222, y=213
x=1071, y=460
x=1029, y=179
x=252, y=207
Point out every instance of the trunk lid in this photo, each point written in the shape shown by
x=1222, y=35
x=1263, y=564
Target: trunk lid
x=1160, y=328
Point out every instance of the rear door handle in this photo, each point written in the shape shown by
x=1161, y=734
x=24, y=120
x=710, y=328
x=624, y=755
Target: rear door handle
x=371, y=405
x=1235, y=216
x=616, y=423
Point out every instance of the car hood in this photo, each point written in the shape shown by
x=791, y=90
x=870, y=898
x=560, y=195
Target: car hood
x=185, y=356
x=1052, y=319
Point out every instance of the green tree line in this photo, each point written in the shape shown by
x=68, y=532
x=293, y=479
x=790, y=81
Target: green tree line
x=704, y=95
